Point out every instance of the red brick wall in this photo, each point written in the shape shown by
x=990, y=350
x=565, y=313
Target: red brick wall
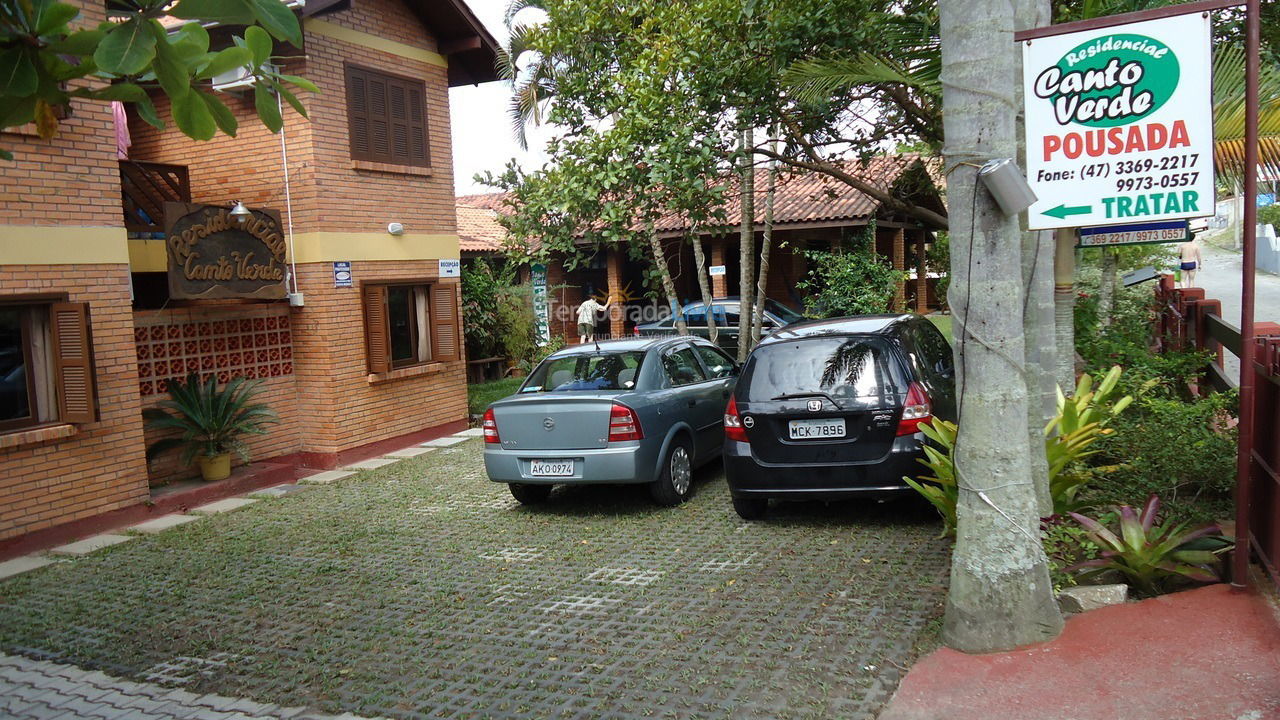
x=71, y=180
x=100, y=468
x=342, y=406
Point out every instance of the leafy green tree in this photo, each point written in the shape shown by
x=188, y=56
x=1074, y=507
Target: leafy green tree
x=850, y=281
x=49, y=55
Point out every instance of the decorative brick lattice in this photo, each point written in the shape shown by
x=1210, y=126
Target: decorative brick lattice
x=253, y=342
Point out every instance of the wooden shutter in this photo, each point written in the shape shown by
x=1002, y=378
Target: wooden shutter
x=445, y=340
x=376, y=331
x=387, y=118
x=72, y=362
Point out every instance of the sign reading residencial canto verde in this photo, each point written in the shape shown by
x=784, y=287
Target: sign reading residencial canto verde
x=1119, y=124
x=214, y=255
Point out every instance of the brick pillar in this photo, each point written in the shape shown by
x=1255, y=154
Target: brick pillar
x=719, y=283
x=614, y=263
x=922, y=275
x=899, y=263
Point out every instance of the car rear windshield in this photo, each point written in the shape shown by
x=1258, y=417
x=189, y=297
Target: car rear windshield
x=598, y=371
x=850, y=371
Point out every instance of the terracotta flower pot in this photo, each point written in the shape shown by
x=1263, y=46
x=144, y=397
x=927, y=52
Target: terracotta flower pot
x=216, y=467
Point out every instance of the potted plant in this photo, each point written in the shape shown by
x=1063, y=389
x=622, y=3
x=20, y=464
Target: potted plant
x=209, y=422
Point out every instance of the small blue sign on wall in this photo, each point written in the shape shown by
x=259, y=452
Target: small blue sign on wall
x=342, y=274
x=1265, y=199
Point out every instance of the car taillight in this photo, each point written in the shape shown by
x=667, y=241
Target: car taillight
x=733, y=429
x=916, y=410
x=490, y=426
x=624, y=424
x=636, y=331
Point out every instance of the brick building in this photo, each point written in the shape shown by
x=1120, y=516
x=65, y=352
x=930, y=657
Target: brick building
x=811, y=211
x=366, y=350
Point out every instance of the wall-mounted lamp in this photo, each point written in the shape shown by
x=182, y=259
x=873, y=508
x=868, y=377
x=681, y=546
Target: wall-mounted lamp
x=239, y=212
x=395, y=229
x=1006, y=183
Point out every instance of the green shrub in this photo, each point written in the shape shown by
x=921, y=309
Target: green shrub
x=852, y=281
x=1066, y=544
x=207, y=420
x=1181, y=451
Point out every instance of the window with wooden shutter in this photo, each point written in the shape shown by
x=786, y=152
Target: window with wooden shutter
x=376, y=331
x=445, y=333
x=72, y=362
x=387, y=118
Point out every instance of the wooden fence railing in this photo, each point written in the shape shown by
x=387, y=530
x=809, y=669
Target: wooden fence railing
x=1189, y=320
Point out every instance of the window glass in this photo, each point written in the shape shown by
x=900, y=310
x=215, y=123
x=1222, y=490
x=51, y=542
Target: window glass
x=935, y=348
x=682, y=367
x=718, y=364
x=15, y=399
x=784, y=313
x=599, y=371
x=696, y=318
x=851, y=371
x=408, y=324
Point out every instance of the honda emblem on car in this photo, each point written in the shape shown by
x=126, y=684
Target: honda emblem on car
x=814, y=405
x=548, y=424
x=748, y=422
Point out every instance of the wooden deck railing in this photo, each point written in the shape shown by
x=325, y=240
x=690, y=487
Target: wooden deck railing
x=1189, y=320
x=144, y=189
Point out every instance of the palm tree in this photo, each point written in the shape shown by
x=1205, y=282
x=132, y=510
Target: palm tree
x=533, y=88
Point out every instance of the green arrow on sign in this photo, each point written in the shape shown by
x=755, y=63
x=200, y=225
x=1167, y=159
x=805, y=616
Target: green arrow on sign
x=1063, y=211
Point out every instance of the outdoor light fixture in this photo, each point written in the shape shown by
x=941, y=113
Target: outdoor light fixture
x=395, y=228
x=1006, y=183
x=239, y=212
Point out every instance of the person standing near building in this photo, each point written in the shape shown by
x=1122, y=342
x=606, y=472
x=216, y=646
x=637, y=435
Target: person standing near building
x=587, y=313
x=1191, y=261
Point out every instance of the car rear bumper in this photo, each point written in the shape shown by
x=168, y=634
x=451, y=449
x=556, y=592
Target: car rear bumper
x=625, y=463
x=749, y=477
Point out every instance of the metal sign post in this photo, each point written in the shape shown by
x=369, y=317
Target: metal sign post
x=1068, y=213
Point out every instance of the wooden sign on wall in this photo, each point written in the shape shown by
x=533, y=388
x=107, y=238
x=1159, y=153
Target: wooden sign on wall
x=214, y=255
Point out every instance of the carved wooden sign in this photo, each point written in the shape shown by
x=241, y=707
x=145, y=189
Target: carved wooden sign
x=214, y=255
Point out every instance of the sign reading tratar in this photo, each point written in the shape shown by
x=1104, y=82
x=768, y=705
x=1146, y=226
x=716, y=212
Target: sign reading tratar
x=1119, y=124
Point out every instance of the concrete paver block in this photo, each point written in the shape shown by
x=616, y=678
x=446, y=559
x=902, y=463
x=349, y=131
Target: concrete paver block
x=370, y=464
x=470, y=433
x=221, y=506
x=277, y=491
x=162, y=523
x=91, y=544
x=409, y=452
x=1091, y=597
x=19, y=565
x=326, y=477
x=444, y=441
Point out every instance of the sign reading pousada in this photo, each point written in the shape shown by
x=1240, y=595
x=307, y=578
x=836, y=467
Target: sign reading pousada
x=214, y=255
x=1119, y=124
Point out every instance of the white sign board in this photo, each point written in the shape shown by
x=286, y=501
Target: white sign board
x=717, y=270
x=1119, y=124
x=450, y=267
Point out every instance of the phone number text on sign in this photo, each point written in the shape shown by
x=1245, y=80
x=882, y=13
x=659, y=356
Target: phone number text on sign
x=1118, y=124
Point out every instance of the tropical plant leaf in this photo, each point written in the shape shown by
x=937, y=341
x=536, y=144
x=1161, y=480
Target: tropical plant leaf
x=128, y=49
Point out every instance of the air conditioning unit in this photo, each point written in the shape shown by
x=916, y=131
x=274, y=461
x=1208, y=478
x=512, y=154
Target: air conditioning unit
x=237, y=79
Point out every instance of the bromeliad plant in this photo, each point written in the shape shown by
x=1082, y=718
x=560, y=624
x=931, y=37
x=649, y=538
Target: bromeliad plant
x=1150, y=556
x=1081, y=421
x=209, y=421
x=940, y=488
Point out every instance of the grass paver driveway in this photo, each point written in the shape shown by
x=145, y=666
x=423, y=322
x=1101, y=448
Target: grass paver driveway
x=422, y=590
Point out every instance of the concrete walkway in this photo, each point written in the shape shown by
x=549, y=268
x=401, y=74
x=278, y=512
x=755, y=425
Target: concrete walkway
x=1204, y=654
x=38, y=690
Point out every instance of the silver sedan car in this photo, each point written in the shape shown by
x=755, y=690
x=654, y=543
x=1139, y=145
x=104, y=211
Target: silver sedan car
x=640, y=411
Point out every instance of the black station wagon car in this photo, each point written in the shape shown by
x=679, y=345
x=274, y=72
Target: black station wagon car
x=831, y=409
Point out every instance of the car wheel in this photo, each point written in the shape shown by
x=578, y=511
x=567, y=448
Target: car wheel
x=529, y=494
x=676, y=479
x=751, y=508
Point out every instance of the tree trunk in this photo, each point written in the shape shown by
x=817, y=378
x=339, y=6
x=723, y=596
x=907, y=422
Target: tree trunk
x=1107, y=287
x=668, y=285
x=1037, y=310
x=746, y=247
x=1064, y=308
x=1001, y=596
x=757, y=317
x=704, y=286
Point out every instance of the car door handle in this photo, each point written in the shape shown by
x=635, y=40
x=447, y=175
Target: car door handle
x=693, y=403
